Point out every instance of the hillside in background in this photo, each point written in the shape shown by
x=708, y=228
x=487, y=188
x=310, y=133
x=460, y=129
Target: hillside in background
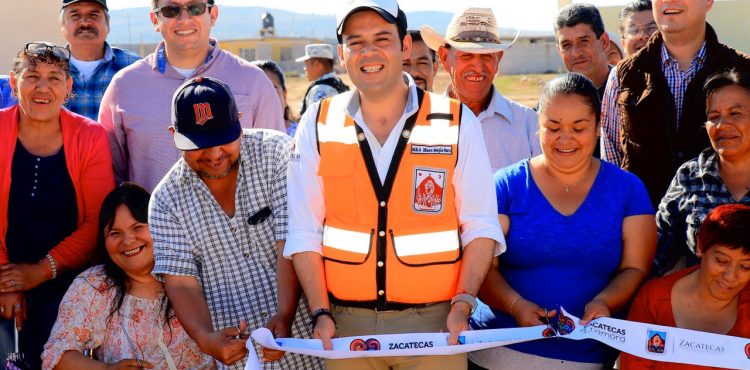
x=132, y=26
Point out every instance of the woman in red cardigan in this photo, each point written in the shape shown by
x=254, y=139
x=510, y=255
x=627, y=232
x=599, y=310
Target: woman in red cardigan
x=55, y=170
x=711, y=297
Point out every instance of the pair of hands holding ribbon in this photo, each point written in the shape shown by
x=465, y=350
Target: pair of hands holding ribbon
x=528, y=313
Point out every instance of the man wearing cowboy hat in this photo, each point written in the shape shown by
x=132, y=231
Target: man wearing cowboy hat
x=471, y=52
x=318, y=61
x=393, y=222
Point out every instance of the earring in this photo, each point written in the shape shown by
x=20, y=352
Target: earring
x=13, y=93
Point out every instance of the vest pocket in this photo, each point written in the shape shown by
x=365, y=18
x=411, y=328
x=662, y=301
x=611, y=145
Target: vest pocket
x=346, y=246
x=425, y=249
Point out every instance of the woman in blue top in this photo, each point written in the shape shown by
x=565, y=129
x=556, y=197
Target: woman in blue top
x=580, y=234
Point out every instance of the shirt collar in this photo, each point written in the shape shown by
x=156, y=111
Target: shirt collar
x=108, y=53
x=497, y=105
x=708, y=164
x=412, y=101
x=327, y=75
x=698, y=59
x=159, y=62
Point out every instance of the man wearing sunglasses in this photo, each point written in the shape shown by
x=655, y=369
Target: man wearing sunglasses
x=135, y=109
x=93, y=62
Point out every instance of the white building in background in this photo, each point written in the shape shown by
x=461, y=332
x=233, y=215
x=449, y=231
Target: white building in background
x=25, y=21
x=534, y=53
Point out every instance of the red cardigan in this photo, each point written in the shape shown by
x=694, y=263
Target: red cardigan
x=653, y=305
x=89, y=163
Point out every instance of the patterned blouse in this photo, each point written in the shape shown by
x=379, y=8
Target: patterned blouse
x=83, y=322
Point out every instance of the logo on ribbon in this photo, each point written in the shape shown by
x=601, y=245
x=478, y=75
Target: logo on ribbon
x=657, y=341
x=428, y=190
x=202, y=113
x=563, y=326
x=747, y=351
x=371, y=344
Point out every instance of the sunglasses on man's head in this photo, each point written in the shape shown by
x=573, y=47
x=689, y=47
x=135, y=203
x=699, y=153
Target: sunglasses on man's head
x=174, y=11
x=41, y=48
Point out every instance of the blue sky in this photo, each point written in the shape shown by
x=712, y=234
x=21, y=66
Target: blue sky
x=523, y=14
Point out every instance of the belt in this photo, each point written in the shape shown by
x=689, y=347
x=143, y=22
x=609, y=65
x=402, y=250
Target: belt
x=373, y=305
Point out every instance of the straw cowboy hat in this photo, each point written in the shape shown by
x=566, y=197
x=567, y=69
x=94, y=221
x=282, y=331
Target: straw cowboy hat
x=473, y=30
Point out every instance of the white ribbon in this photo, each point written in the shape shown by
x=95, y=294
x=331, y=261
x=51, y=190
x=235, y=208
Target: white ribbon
x=679, y=345
x=386, y=345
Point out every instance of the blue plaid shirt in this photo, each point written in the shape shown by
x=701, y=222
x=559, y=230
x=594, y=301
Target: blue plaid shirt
x=6, y=97
x=88, y=94
x=677, y=80
x=696, y=189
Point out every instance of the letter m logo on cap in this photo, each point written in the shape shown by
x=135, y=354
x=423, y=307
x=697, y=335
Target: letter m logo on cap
x=202, y=113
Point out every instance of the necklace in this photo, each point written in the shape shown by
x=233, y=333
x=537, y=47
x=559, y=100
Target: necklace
x=567, y=187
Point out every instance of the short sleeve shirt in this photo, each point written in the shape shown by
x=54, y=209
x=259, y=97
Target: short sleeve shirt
x=233, y=258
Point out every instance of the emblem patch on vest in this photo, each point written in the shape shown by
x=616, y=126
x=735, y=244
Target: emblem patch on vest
x=431, y=149
x=428, y=193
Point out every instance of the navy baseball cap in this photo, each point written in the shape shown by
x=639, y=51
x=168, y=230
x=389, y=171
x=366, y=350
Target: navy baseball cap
x=204, y=114
x=103, y=3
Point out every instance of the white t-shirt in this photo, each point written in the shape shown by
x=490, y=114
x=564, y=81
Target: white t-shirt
x=86, y=67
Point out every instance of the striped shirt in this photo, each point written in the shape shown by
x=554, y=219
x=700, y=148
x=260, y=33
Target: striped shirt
x=234, y=259
x=677, y=80
x=87, y=93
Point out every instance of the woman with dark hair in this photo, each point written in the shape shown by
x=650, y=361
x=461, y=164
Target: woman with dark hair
x=720, y=174
x=710, y=297
x=118, y=309
x=276, y=75
x=580, y=234
x=55, y=169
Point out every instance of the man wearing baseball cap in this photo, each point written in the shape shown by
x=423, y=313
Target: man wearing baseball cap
x=218, y=219
x=93, y=62
x=471, y=52
x=318, y=61
x=393, y=222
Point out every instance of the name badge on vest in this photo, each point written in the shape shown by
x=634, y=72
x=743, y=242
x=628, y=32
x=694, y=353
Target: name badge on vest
x=428, y=193
x=431, y=149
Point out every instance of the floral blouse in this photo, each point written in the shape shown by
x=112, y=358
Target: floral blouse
x=84, y=322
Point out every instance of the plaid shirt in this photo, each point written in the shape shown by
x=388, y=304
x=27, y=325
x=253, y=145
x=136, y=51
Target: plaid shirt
x=87, y=94
x=6, y=92
x=235, y=261
x=696, y=189
x=612, y=116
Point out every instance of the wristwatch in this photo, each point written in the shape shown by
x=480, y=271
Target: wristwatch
x=465, y=297
x=318, y=313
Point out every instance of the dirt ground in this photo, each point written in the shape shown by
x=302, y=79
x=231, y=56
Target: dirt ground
x=524, y=89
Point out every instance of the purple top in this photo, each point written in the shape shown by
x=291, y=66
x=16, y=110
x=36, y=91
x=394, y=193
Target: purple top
x=136, y=110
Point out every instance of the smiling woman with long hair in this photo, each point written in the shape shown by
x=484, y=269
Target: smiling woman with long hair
x=118, y=309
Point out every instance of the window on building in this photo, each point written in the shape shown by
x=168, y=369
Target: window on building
x=286, y=53
x=247, y=54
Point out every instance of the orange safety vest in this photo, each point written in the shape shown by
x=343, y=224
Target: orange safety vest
x=393, y=244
